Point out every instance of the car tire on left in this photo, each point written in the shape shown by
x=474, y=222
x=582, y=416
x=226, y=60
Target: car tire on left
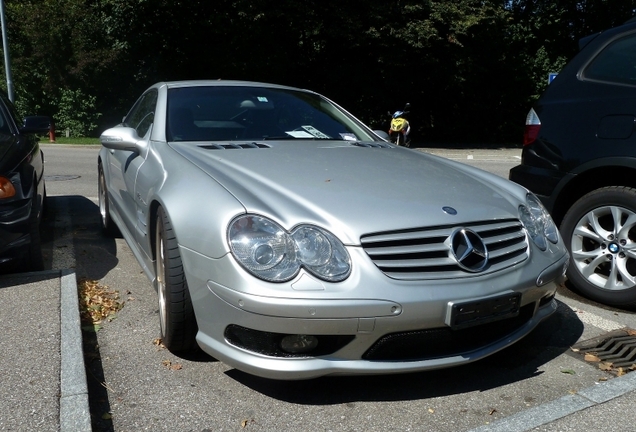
x=35, y=260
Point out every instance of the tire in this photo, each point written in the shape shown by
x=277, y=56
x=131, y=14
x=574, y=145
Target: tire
x=108, y=225
x=600, y=232
x=176, y=315
x=35, y=260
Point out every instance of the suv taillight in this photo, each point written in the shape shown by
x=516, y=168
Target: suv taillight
x=533, y=124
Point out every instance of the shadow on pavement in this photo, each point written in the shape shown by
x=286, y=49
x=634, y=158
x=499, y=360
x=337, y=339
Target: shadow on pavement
x=95, y=255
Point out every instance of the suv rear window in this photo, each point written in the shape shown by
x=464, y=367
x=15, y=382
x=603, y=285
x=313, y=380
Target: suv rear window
x=616, y=63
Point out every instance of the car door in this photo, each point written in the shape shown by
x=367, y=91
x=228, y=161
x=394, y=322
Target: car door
x=124, y=165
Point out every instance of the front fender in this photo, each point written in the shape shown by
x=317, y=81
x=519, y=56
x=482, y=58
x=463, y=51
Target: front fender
x=198, y=207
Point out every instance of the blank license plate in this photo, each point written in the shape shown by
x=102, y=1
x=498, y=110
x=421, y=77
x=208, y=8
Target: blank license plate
x=475, y=312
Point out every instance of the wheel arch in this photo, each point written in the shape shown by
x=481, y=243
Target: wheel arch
x=618, y=173
x=152, y=227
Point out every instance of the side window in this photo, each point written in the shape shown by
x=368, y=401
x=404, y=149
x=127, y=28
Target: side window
x=616, y=63
x=142, y=115
x=6, y=114
x=4, y=125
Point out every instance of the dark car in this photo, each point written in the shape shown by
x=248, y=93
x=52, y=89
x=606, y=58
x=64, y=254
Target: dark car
x=579, y=157
x=22, y=189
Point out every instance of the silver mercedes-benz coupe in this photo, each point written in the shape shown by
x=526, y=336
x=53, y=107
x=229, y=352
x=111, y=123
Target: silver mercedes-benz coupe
x=290, y=241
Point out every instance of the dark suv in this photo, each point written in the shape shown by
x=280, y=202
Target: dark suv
x=579, y=157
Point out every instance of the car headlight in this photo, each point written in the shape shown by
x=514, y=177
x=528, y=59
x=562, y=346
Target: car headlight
x=7, y=190
x=538, y=223
x=269, y=252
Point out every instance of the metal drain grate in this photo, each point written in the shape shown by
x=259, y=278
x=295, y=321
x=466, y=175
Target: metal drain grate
x=612, y=351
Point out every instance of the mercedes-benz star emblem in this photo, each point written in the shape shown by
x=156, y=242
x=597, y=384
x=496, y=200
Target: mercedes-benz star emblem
x=469, y=250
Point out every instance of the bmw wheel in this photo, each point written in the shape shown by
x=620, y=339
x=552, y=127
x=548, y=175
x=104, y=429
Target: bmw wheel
x=600, y=232
x=176, y=315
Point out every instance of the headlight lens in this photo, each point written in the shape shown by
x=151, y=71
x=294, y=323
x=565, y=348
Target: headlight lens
x=538, y=223
x=7, y=190
x=269, y=252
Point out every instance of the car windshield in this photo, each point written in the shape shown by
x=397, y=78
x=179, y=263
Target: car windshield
x=235, y=113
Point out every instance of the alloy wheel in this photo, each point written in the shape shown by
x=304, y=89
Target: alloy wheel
x=603, y=247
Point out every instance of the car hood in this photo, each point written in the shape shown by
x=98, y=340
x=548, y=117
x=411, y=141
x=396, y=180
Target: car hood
x=354, y=190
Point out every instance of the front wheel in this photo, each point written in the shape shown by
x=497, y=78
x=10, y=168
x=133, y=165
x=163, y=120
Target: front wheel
x=600, y=232
x=108, y=225
x=176, y=315
x=35, y=259
x=407, y=142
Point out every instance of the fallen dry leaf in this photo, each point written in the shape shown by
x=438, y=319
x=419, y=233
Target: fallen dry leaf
x=605, y=366
x=591, y=358
x=97, y=302
x=620, y=372
x=172, y=366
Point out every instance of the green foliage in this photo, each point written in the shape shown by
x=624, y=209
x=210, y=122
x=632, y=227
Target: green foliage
x=470, y=68
x=76, y=113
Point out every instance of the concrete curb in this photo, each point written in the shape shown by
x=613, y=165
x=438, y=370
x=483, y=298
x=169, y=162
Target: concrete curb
x=74, y=407
x=559, y=408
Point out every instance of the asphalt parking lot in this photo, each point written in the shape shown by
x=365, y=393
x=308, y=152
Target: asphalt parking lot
x=539, y=384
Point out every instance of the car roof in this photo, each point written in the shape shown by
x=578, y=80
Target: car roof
x=224, y=83
x=626, y=26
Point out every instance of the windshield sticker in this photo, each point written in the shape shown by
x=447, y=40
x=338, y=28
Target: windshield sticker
x=315, y=132
x=300, y=134
x=348, y=136
x=262, y=99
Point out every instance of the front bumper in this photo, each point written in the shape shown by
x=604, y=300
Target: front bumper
x=14, y=230
x=371, y=324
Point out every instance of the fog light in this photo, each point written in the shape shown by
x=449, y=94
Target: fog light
x=298, y=343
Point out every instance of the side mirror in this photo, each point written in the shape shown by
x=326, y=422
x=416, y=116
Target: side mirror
x=122, y=138
x=36, y=125
x=407, y=106
x=382, y=134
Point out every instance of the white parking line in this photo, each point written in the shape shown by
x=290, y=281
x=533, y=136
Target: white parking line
x=596, y=321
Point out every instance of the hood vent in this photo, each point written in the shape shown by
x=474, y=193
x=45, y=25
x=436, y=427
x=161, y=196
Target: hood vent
x=251, y=145
x=371, y=144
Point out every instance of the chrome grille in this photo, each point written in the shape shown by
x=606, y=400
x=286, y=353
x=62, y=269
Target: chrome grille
x=424, y=253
